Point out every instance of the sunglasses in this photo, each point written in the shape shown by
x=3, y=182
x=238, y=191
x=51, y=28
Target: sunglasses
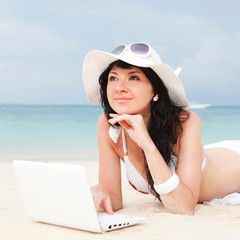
x=140, y=49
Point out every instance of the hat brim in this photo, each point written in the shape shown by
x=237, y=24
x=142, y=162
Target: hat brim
x=96, y=62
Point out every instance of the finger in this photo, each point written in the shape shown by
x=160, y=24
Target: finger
x=126, y=122
x=113, y=115
x=97, y=202
x=124, y=117
x=112, y=121
x=125, y=125
x=108, y=206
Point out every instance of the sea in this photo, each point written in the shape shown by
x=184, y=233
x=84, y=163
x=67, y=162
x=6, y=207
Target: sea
x=71, y=131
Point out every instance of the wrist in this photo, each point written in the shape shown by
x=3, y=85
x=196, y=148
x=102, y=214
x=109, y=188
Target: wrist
x=148, y=146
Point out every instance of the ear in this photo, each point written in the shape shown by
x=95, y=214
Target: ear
x=155, y=98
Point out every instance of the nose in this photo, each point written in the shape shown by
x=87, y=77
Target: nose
x=121, y=86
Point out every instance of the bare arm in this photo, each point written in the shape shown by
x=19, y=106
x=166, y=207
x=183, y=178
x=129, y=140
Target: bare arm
x=107, y=194
x=184, y=198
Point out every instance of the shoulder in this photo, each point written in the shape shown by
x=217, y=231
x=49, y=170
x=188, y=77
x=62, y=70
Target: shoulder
x=192, y=127
x=102, y=121
x=103, y=124
x=191, y=130
x=193, y=120
x=103, y=128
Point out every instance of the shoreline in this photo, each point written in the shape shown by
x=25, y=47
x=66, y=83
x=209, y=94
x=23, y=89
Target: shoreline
x=219, y=222
x=81, y=155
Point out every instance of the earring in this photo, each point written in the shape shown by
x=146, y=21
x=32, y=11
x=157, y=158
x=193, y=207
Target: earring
x=155, y=98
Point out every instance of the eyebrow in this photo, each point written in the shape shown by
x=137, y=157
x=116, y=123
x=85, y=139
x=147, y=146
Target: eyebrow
x=135, y=71
x=113, y=72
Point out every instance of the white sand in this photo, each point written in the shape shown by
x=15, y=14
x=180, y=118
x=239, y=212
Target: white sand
x=221, y=222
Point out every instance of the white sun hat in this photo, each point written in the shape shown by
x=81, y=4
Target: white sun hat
x=137, y=54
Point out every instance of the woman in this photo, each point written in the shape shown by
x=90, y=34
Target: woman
x=146, y=125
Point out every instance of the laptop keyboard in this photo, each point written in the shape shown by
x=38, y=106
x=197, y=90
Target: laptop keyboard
x=104, y=217
x=110, y=222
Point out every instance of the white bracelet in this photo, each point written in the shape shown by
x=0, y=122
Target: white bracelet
x=168, y=186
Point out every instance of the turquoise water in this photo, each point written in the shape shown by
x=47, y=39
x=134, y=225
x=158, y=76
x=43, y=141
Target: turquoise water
x=219, y=123
x=48, y=129
x=73, y=129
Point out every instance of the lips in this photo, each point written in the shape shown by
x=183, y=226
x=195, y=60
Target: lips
x=123, y=99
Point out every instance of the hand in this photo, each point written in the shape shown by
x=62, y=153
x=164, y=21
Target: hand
x=135, y=127
x=102, y=199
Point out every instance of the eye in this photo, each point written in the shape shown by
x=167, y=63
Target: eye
x=112, y=78
x=134, y=78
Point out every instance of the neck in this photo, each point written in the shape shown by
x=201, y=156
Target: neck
x=146, y=119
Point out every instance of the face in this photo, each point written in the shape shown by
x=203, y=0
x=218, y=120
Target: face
x=129, y=91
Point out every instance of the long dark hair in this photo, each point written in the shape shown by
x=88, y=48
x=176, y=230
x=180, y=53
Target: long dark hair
x=165, y=123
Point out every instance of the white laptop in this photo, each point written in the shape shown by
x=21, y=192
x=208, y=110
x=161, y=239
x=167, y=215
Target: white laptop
x=60, y=194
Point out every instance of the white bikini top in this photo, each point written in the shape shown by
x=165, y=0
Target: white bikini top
x=134, y=177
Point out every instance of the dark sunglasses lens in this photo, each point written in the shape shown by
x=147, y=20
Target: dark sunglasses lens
x=139, y=48
x=118, y=50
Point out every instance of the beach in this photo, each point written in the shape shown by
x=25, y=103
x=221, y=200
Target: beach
x=68, y=134
x=208, y=222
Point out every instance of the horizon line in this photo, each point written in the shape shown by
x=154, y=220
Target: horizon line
x=84, y=104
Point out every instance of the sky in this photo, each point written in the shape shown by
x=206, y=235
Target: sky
x=43, y=45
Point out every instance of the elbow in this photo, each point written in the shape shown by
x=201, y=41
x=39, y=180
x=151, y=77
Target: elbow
x=182, y=211
x=173, y=206
x=179, y=209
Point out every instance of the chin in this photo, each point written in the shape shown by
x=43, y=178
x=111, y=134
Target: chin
x=125, y=111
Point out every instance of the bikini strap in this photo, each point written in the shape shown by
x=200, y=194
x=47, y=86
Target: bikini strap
x=114, y=133
x=124, y=144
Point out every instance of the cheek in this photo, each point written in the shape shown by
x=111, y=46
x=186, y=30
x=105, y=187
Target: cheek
x=145, y=93
x=109, y=93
